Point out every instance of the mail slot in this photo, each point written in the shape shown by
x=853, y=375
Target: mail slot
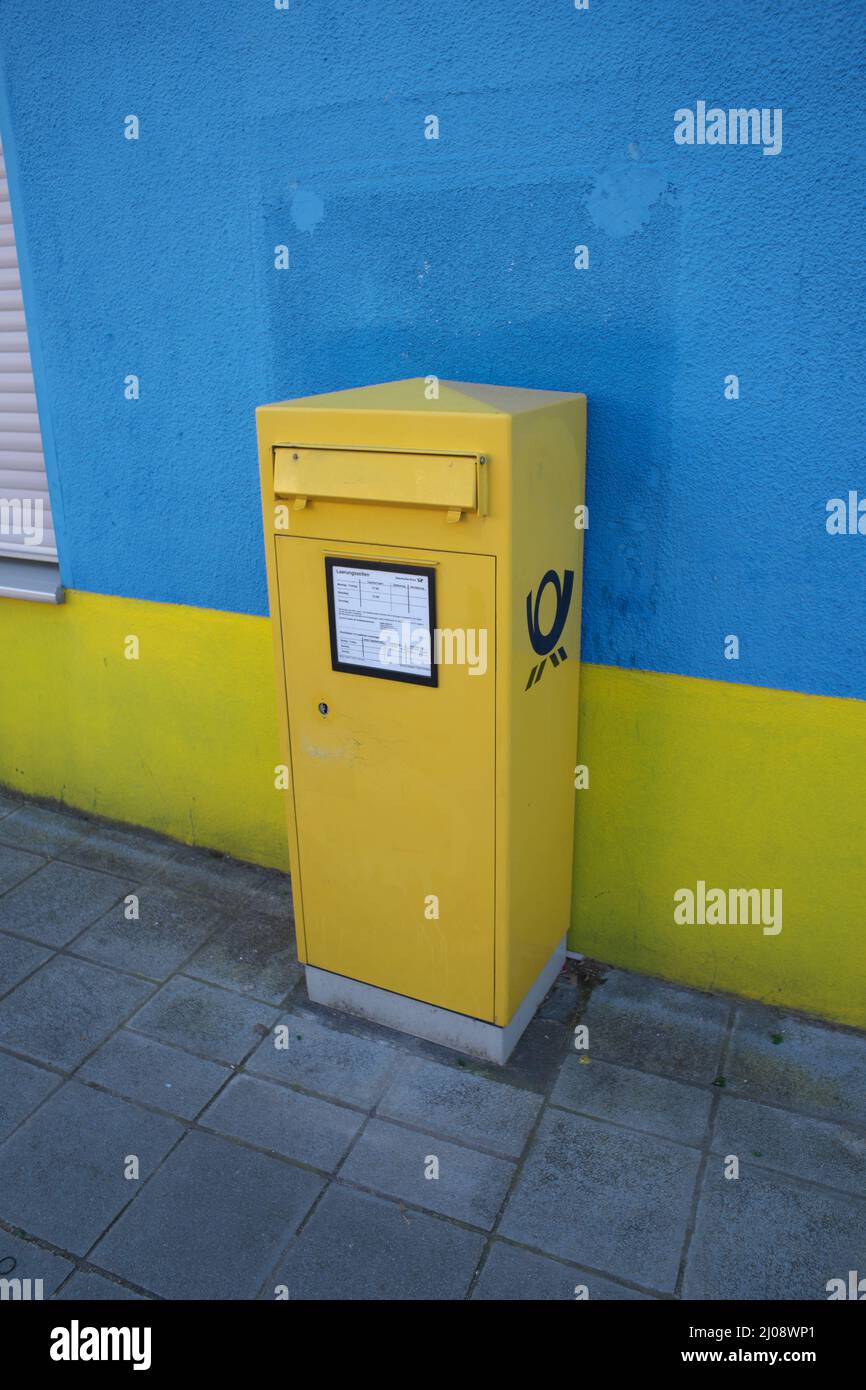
x=442, y=481
x=424, y=555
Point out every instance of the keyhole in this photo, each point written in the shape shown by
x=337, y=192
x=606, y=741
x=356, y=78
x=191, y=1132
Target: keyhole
x=323, y=708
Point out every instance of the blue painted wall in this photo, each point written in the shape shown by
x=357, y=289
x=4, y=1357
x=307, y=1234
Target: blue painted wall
x=412, y=256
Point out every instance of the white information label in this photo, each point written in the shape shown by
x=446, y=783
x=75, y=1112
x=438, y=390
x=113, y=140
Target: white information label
x=381, y=620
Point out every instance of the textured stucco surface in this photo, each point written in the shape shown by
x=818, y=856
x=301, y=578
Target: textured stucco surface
x=410, y=256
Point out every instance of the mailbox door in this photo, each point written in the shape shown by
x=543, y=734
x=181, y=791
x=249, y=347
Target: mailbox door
x=394, y=786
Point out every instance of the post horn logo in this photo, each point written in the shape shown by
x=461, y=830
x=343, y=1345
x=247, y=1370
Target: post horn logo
x=544, y=642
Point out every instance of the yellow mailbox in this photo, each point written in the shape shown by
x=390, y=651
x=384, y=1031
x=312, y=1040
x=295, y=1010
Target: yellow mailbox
x=424, y=553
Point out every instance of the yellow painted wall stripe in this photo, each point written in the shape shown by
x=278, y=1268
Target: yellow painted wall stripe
x=183, y=740
x=737, y=786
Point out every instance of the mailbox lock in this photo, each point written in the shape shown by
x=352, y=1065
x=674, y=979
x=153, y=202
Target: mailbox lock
x=323, y=708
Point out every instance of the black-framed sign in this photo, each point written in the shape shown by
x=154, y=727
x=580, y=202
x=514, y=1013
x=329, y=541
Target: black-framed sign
x=382, y=619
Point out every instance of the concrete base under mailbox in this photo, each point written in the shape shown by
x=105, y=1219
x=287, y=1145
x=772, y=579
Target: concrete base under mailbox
x=464, y=1034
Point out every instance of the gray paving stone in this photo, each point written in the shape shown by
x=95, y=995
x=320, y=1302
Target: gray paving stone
x=58, y=902
x=66, y=1009
x=640, y=1100
x=18, y=959
x=356, y=1246
x=461, y=1105
x=562, y=1003
x=170, y=928
x=21, y=1259
x=592, y=1193
x=272, y=895
x=126, y=852
x=148, y=1071
x=62, y=1173
x=86, y=1287
x=22, y=1088
x=213, y=1022
x=609, y=1198
x=327, y=1061
x=470, y=1185
x=536, y=1059
x=817, y=1150
x=656, y=1027
x=211, y=1223
x=285, y=1122
x=228, y=882
x=42, y=831
x=15, y=865
x=764, y=1236
x=9, y=801
x=254, y=955
x=510, y=1273
x=813, y=1068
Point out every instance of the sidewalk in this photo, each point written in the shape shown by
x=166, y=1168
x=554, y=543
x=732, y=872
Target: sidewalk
x=178, y=1121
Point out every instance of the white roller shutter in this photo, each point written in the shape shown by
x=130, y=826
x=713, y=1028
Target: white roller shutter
x=25, y=509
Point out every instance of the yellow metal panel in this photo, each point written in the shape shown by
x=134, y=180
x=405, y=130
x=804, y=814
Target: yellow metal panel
x=538, y=725
x=357, y=475
x=434, y=396
x=394, y=792
x=449, y=434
